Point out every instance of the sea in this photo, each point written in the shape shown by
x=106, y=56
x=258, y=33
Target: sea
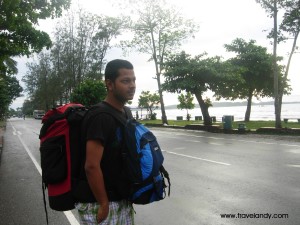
x=261, y=110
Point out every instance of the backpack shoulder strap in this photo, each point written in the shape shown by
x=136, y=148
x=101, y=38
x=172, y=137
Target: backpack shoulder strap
x=128, y=112
x=104, y=108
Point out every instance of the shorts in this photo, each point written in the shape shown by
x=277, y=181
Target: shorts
x=120, y=213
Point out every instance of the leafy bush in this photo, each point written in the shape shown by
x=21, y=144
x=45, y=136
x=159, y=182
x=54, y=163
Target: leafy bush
x=89, y=92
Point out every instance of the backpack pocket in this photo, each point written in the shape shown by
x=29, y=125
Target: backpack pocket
x=54, y=160
x=149, y=191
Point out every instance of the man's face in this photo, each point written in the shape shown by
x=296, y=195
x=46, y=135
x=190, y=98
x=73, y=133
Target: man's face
x=124, y=86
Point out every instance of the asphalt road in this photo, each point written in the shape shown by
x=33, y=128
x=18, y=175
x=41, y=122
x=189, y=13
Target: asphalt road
x=253, y=180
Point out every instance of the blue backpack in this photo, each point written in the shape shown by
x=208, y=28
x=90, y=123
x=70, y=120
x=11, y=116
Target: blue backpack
x=143, y=161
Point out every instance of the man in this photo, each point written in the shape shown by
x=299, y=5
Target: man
x=103, y=153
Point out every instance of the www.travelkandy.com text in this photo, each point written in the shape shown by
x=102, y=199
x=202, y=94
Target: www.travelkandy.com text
x=255, y=216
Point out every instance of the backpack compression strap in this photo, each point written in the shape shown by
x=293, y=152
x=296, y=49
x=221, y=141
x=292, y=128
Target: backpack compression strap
x=166, y=175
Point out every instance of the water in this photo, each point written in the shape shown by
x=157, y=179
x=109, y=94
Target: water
x=258, y=112
x=265, y=112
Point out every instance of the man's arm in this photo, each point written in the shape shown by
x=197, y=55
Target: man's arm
x=94, y=152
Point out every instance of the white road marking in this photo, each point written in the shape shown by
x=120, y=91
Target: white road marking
x=70, y=216
x=295, y=166
x=30, y=155
x=195, y=141
x=289, y=145
x=295, y=151
x=180, y=148
x=193, y=157
x=213, y=143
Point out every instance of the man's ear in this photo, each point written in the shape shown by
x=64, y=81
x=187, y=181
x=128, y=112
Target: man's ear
x=109, y=85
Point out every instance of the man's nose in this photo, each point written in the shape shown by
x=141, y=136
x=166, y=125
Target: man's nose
x=132, y=84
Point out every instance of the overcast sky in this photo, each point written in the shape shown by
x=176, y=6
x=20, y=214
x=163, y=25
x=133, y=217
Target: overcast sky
x=220, y=23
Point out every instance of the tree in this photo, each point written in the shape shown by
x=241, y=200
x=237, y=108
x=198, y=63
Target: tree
x=18, y=20
x=11, y=112
x=186, y=102
x=82, y=40
x=4, y=98
x=37, y=81
x=108, y=29
x=19, y=36
x=256, y=70
x=291, y=27
x=8, y=65
x=89, y=92
x=271, y=7
x=28, y=107
x=149, y=101
x=158, y=31
x=80, y=45
x=196, y=75
x=10, y=89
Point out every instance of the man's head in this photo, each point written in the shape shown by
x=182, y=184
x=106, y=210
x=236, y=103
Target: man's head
x=120, y=81
x=113, y=67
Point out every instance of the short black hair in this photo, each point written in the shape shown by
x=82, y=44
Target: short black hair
x=112, y=68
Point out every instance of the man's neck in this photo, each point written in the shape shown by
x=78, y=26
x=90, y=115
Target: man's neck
x=114, y=103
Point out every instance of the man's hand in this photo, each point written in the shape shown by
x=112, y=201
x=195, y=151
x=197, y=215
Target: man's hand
x=102, y=212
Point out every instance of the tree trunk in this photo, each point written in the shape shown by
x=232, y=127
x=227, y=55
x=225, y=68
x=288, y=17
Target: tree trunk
x=276, y=95
x=162, y=104
x=204, y=109
x=150, y=110
x=187, y=115
x=248, y=110
x=287, y=71
x=158, y=70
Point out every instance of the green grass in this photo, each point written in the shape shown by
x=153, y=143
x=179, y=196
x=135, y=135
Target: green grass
x=249, y=125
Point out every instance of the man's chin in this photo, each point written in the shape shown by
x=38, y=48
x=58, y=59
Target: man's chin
x=130, y=97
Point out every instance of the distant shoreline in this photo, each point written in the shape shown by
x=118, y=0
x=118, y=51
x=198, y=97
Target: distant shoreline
x=244, y=103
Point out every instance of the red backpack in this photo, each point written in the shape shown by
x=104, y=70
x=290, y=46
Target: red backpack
x=60, y=143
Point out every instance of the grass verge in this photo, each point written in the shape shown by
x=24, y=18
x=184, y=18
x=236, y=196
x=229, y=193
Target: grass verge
x=249, y=125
